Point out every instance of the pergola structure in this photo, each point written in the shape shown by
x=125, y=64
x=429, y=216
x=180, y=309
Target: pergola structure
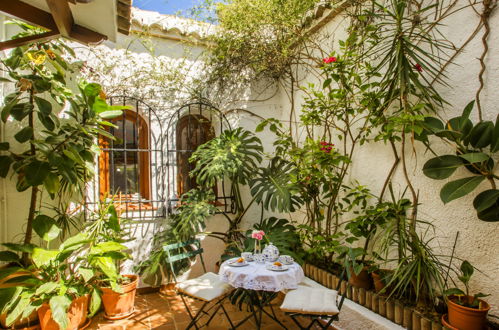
x=58, y=17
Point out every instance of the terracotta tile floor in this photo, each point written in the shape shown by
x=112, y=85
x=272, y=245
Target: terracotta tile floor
x=167, y=312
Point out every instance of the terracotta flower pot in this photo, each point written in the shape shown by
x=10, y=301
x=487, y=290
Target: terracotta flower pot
x=466, y=318
x=77, y=315
x=29, y=323
x=120, y=305
x=361, y=280
x=379, y=280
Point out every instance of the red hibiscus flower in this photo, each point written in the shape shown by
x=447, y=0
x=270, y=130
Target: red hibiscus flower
x=328, y=60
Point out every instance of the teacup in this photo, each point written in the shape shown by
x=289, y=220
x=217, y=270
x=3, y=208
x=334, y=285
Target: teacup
x=259, y=258
x=248, y=256
x=285, y=259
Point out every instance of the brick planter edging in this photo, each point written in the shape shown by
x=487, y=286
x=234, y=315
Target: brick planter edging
x=392, y=309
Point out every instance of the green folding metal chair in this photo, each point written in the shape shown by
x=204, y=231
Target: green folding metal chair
x=207, y=288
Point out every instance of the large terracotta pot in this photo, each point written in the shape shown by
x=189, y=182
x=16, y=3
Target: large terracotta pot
x=120, y=305
x=379, y=279
x=77, y=315
x=466, y=318
x=29, y=323
x=362, y=280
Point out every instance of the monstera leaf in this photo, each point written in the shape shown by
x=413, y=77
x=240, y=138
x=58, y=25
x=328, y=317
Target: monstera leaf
x=196, y=206
x=273, y=187
x=235, y=154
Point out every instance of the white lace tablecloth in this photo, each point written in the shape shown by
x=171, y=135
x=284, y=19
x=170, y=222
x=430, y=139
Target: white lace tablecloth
x=256, y=276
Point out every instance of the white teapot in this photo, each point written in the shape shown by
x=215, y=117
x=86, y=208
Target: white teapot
x=271, y=252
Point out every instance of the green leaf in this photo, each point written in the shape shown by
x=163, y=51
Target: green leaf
x=111, y=114
x=107, y=266
x=48, y=287
x=494, y=146
x=74, y=242
x=51, y=183
x=453, y=292
x=46, y=227
x=4, y=146
x=21, y=110
x=7, y=296
x=475, y=157
x=467, y=110
x=28, y=248
x=42, y=257
x=467, y=269
x=59, y=306
x=24, y=134
x=5, y=162
x=41, y=85
x=86, y=273
x=36, y=172
x=19, y=308
x=459, y=188
x=442, y=167
x=9, y=256
x=107, y=247
x=486, y=199
x=481, y=134
x=95, y=302
x=44, y=106
x=7, y=108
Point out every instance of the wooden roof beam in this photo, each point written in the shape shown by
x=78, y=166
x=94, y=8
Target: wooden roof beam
x=25, y=40
x=28, y=13
x=62, y=16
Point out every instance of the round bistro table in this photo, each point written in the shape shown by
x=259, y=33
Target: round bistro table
x=263, y=284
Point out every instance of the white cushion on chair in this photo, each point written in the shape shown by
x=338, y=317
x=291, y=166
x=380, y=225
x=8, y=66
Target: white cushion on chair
x=205, y=287
x=308, y=300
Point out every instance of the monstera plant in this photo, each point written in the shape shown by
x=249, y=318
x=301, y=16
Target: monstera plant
x=476, y=149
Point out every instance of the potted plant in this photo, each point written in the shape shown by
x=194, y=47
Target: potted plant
x=51, y=284
x=466, y=312
x=104, y=256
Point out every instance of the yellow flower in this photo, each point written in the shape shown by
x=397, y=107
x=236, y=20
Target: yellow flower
x=37, y=58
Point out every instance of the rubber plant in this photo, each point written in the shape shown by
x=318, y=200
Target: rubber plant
x=54, y=150
x=476, y=146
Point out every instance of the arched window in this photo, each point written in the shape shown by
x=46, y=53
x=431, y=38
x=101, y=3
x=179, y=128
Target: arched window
x=124, y=166
x=192, y=131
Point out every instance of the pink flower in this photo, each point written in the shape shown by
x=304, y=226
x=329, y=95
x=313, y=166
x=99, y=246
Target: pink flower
x=418, y=67
x=257, y=234
x=328, y=60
